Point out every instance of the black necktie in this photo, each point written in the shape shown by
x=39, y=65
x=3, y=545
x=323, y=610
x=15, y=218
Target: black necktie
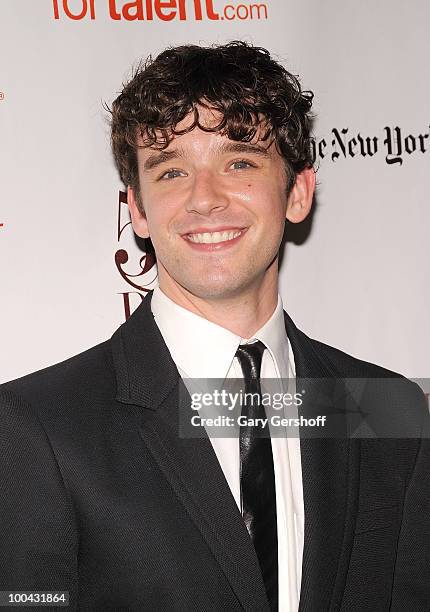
x=257, y=475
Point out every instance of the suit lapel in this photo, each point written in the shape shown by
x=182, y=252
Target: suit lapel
x=330, y=470
x=192, y=469
x=148, y=377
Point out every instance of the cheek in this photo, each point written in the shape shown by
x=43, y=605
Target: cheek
x=159, y=216
x=272, y=204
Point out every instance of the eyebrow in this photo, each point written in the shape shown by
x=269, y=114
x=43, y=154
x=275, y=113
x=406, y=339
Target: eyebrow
x=243, y=147
x=160, y=158
x=227, y=147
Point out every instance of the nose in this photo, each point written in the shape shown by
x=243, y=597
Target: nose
x=207, y=194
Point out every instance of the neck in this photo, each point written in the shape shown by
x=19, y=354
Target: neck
x=242, y=314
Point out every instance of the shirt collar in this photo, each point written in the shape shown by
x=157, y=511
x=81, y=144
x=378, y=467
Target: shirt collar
x=203, y=349
x=274, y=336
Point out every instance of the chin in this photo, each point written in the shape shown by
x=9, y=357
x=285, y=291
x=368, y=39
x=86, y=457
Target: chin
x=218, y=288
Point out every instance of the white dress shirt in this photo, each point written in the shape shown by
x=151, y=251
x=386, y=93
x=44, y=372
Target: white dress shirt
x=188, y=336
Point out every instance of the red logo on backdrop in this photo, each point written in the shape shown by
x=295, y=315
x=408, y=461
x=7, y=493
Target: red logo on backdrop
x=142, y=259
x=163, y=10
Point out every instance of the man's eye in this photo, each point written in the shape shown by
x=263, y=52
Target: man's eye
x=242, y=164
x=170, y=174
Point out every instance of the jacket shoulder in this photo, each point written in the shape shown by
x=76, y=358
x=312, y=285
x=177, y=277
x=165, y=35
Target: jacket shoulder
x=82, y=377
x=384, y=386
x=348, y=365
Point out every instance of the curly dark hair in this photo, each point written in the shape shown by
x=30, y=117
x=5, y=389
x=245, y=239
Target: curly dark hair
x=237, y=79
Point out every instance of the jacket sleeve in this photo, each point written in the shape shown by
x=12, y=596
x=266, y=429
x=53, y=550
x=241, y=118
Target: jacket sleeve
x=411, y=588
x=38, y=532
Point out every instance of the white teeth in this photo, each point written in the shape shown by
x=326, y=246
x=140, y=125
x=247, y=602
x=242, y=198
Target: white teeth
x=208, y=238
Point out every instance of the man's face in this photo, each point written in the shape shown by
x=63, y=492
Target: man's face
x=215, y=211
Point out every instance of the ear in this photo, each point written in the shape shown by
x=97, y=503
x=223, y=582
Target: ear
x=300, y=198
x=138, y=217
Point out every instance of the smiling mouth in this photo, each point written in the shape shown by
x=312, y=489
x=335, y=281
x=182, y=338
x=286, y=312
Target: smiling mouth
x=213, y=237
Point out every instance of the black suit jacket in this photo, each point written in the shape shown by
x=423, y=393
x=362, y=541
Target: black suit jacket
x=101, y=497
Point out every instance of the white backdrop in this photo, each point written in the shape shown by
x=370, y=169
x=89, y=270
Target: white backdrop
x=356, y=276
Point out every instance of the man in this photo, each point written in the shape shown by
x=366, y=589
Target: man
x=103, y=498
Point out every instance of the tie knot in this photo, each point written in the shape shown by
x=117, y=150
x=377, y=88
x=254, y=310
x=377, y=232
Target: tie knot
x=250, y=357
